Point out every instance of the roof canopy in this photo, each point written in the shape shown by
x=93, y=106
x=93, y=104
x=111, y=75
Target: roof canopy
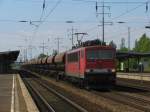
x=9, y=56
x=123, y=55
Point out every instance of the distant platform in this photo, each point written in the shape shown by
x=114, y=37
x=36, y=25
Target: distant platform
x=14, y=96
x=135, y=76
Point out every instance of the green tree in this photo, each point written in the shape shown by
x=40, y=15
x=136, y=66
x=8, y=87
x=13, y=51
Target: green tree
x=42, y=56
x=55, y=52
x=123, y=49
x=143, y=44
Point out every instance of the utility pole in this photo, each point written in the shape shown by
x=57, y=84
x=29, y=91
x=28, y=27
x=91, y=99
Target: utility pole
x=58, y=43
x=25, y=54
x=103, y=21
x=21, y=53
x=72, y=35
x=103, y=13
x=25, y=50
x=71, y=32
x=128, y=38
x=48, y=45
x=31, y=49
x=43, y=47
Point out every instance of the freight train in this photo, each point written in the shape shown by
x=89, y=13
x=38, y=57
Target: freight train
x=91, y=65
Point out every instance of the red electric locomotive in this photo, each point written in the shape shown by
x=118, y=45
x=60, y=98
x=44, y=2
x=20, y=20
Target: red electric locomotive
x=92, y=65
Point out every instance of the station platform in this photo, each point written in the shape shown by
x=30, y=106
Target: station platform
x=135, y=76
x=14, y=96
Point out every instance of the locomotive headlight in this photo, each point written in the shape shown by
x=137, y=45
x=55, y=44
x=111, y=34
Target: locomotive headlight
x=87, y=70
x=113, y=70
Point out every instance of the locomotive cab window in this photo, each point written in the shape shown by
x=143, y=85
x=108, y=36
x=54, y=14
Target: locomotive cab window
x=106, y=54
x=92, y=54
x=100, y=54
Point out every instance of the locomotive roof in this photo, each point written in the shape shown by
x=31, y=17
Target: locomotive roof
x=95, y=46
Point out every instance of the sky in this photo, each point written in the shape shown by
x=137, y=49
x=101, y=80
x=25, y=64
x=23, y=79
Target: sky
x=16, y=35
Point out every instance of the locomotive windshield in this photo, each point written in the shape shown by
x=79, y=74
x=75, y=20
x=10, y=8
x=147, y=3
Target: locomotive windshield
x=100, y=54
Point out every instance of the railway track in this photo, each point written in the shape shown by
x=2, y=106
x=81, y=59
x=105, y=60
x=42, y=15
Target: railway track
x=133, y=98
x=38, y=98
x=143, y=87
x=48, y=100
x=139, y=84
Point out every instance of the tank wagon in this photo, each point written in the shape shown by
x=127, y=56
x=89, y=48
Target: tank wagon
x=91, y=65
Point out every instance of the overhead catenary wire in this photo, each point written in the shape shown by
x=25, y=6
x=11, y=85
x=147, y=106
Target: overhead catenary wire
x=124, y=13
x=120, y=34
x=44, y=19
x=129, y=11
x=109, y=2
x=148, y=18
x=123, y=33
x=43, y=10
x=50, y=12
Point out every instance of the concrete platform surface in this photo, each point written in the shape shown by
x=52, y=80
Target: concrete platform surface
x=12, y=98
x=6, y=81
x=136, y=76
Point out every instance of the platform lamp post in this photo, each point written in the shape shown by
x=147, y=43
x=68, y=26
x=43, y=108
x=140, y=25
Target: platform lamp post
x=129, y=33
x=30, y=22
x=23, y=21
x=122, y=22
x=147, y=27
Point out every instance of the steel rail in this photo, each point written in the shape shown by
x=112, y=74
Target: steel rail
x=38, y=95
x=134, y=97
x=140, y=86
x=123, y=100
x=81, y=109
